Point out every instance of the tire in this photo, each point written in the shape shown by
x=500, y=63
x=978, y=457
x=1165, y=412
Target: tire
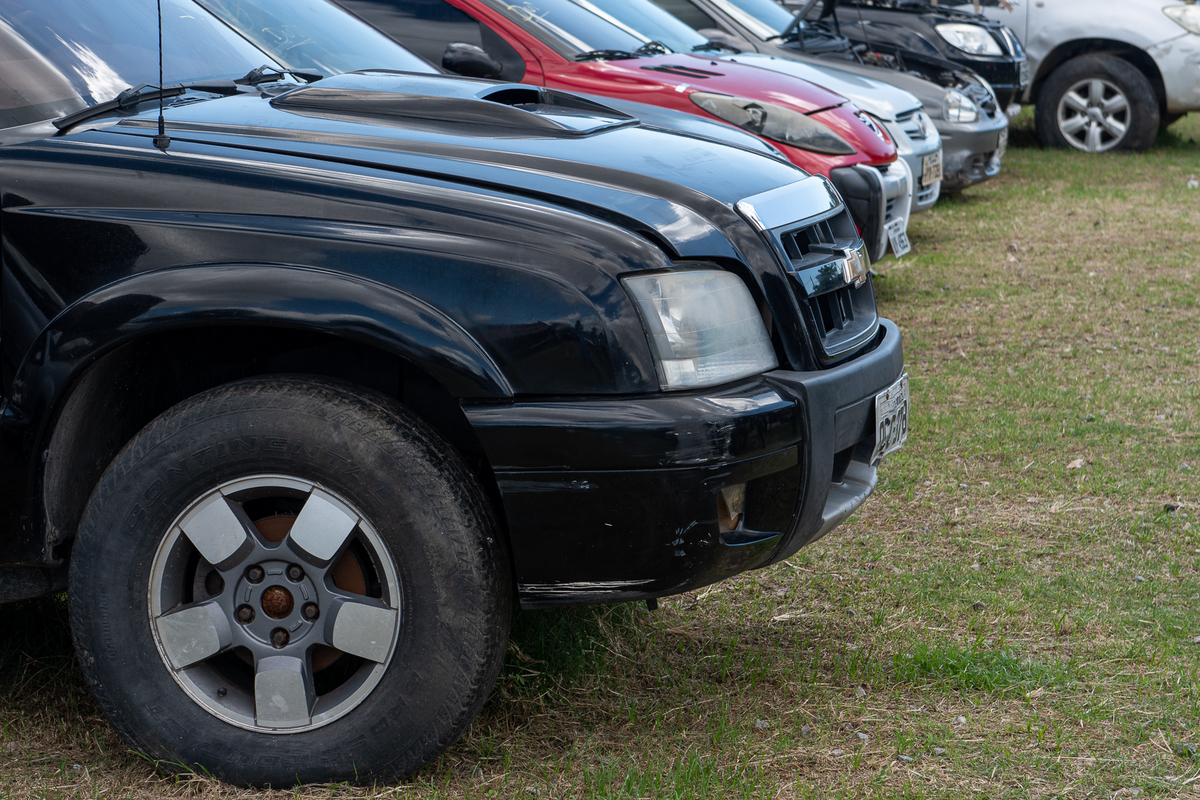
x=1097, y=104
x=358, y=610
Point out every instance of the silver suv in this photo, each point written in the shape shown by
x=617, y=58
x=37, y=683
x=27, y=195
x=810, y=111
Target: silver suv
x=1107, y=73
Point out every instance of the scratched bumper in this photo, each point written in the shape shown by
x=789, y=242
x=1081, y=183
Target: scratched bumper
x=970, y=151
x=616, y=499
x=1178, y=61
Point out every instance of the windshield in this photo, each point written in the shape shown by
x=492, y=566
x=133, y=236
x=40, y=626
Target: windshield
x=575, y=27
x=99, y=49
x=315, y=36
x=764, y=18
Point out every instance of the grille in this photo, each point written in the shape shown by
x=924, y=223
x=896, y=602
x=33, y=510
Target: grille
x=928, y=194
x=840, y=317
x=914, y=126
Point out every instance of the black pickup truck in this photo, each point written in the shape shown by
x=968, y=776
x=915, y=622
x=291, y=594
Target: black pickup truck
x=305, y=386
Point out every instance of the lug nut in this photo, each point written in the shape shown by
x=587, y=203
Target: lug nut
x=279, y=638
x=255, y=574
x=295, y=574
x=245, y=615
x=310, y=611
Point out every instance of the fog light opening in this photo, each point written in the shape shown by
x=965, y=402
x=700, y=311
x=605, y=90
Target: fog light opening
x=731, y=505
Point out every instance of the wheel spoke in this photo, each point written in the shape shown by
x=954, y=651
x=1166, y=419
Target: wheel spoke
x=1073, y=125
x=321, y=529
x=1075, y=102
x=1093, y=142
x=194, y=634
x=362, y=628
x=283, y=692
x=1115, y=105
x=1114, y=128
x=217, y=532
x=1096, y=91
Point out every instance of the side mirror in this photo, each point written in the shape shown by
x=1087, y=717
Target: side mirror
x=470, y=61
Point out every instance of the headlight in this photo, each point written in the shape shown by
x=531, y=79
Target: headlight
x=1188, y=17
x=970, y=38
x=774, y=122
x=957, y=107
x=703, y=327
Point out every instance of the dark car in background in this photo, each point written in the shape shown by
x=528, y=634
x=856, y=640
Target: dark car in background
x=959, y=109
x=925, y=37
x=305, y=386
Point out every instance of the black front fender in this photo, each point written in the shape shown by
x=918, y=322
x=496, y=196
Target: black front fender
x=248, y=294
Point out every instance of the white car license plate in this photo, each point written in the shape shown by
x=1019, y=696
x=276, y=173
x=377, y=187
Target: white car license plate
x=898, y=236
x=931, y=168
x=891, y=418
x=1002, y=146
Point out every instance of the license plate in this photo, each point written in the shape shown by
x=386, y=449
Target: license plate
x=1002, y=146
x=891, y=419
x=931, y=168
x=1024, y=79
x=898, y=236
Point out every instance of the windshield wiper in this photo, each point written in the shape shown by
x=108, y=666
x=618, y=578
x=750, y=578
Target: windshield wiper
x=711, y=45
x=651, y=48
x=268, y=73
x=139, y=94
x=605, y=55
x=126, y=99
x=654, y=48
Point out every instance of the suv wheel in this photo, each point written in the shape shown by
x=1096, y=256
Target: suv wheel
x=1097, y=104
x=285, y=580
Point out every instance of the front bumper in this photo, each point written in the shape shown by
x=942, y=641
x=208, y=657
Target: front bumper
x=971, y=152
x=1007, y=77
x=913, y=151
x=616, y=499
x=1178, y=61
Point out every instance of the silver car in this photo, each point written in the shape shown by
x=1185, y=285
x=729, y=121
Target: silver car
x=1107, y=73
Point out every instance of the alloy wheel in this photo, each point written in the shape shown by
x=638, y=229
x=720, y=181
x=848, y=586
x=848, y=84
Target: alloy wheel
x=1094, y=115
x=274, y=604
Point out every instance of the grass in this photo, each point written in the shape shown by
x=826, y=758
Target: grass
x=1014, y=610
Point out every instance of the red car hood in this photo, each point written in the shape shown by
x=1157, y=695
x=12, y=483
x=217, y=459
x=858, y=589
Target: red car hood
x=686, y=73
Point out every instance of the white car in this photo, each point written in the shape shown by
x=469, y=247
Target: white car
x=1107, y=73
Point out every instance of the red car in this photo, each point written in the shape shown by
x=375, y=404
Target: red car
x=631, y=50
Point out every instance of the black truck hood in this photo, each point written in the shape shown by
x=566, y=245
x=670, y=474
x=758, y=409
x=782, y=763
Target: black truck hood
x=508, y=137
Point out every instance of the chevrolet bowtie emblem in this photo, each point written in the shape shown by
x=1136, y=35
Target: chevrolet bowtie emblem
x=854, y=267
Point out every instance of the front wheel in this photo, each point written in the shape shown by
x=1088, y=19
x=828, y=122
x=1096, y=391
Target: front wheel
x=287, y=580
x=1097, y=104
